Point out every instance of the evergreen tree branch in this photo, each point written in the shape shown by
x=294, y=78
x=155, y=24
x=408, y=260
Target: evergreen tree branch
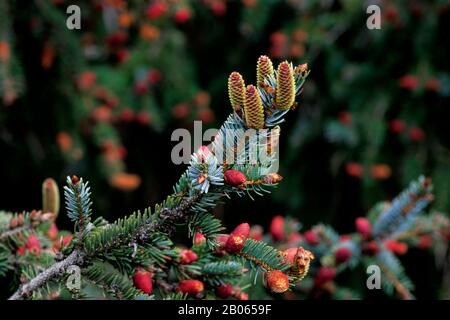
x=79, y=257
x=403, y=292
x=208, y=178
x=23, y=222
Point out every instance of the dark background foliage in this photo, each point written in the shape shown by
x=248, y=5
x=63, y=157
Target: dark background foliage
x=341, y=151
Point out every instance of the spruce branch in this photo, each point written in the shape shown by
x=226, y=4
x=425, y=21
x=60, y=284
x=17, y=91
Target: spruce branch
x=113, y=282
x=21, y=223
x=260, y=254
x=79, y=256
x=401, y=289
x=208, y=178
x=78, y=203
x=399, y=216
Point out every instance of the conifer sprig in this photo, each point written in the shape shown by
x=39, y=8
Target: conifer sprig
x=78, y=203
x=274, y=95
x=144, y=238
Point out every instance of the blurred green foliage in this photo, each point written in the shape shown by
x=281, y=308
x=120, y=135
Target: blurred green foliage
x=101, y=102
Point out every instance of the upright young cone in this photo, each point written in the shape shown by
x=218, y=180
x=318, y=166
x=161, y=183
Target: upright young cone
x=50, y=197
x=264, y=68
x=285, y=96
x=236, y=91
x=253, y=108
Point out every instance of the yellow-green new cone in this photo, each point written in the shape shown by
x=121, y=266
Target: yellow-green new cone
x=285, y=96
x=50, y=197
x=236, y=91
x=253, y=108
x=264, y=68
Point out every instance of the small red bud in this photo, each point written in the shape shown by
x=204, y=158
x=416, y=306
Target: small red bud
x=182, y=15
x=222, y=240
x=370, y=248
x=242, y=296
x=289, y=255
x=425, y=241
x=13, y=223
x=142, y=280
x=256, y=233
x=52, y=233
x=143, y=118
x=408, y=82
x=243, y=230
x=364, y=227
x=75, y=180
x=190, y=286
x=345, y=117
x=235, y=243
x=277, y=228
x=354, y=169
x=397, y=126
x=33, y=245
x=154, y=76
x=294, y=237
x=20, y=219
x=156, y=10
x=311, y=237
x=224, y=291
x=343, y=254
x=141, y=87
x=187, y=256
x=127, y=115
x=64, y=241
x=416, y=134
x=20, y=251
x=199, y=239
x=234, y=177
x=325, y=274
x=396, y=247
x=277, y=281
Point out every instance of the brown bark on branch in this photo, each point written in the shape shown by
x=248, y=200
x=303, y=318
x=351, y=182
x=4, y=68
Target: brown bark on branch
x=13, y=232
x=59, y=268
